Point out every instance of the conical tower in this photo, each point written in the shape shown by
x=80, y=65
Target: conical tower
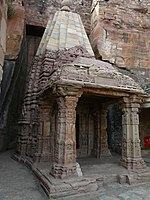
x=65, y=31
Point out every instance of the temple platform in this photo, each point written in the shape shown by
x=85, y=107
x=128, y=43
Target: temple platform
x=96, y=174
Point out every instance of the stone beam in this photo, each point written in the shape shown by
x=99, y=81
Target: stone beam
x=105, y=92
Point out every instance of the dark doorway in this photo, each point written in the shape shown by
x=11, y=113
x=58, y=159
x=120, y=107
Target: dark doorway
x=77, y=131
x=89, y=126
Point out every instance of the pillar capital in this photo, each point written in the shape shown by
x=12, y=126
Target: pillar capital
x=62, y=91
x=132, y=101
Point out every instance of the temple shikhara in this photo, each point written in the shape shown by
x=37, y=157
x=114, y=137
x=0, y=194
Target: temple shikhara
x=85, y=96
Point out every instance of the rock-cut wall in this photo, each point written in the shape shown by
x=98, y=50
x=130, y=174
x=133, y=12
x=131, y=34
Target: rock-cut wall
x=14, y=73
x=120, y=32
x=38, y=12
x=3, y=28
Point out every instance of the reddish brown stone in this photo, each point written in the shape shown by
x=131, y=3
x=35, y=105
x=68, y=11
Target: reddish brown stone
x=38, y=12
x=120, y=33
x=15, y=32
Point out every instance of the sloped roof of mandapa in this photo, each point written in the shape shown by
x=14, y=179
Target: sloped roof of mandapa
x=87, y=72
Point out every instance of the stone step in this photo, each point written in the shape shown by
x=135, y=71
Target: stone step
x=56, y=188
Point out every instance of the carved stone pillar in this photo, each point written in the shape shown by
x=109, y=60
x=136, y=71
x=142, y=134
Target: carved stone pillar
x=65, y=146
x=131, y=150
x=102, y=132
x=22, y=138
x=44, y=147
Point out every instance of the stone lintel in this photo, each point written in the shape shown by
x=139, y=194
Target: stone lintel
x=106, y=92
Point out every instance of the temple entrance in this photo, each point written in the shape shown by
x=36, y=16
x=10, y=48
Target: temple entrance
x=85, y=130
x=114, y=128
x=91, y=127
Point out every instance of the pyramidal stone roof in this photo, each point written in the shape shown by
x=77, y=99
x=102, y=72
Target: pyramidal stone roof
x=63, y=32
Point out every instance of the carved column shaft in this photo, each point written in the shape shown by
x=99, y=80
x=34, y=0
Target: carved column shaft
x=131, y=150
x=65, y=147
x=103, y=138
x=22, y=138
x=44, y=146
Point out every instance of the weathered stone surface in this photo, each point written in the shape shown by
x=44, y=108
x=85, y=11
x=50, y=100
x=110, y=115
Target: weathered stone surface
x=14, y=69
x=64, y=68
x=108, y=198
x=131, y=150
x=13, y=85
x=3, y=28
x=22, y=185
x=32, y=45
x=120, y=32
x=15, y=31
x=97, y=73
x=38, y=13
x=132, y=195
x=64, y=32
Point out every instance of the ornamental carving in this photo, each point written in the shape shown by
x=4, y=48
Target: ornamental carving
x=131, y=150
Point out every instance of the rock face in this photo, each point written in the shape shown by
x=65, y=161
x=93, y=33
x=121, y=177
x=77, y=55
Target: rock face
x=3, y=27
x=120, y=32
x=15, y=31
x=38, y=12
x=14, y=70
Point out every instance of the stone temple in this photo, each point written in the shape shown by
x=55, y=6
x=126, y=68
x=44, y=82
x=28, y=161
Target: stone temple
x=82, y=99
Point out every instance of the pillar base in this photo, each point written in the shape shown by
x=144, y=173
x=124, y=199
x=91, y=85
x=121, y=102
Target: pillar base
x=63, y=171
x=133, y=163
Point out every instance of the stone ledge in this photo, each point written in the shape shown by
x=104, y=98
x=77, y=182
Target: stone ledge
x=57, y=188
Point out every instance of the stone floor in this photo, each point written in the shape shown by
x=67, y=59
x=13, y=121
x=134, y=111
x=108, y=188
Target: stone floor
x=108, y=166
x=116, y=191
x=112, y=190
x=18, y=183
